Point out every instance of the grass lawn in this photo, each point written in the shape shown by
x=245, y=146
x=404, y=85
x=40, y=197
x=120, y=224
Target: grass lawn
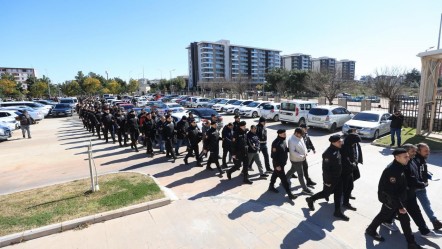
x=54, y=204
x=409, y=136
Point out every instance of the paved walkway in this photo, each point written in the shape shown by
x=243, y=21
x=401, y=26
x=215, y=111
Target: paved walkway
x=211, y=212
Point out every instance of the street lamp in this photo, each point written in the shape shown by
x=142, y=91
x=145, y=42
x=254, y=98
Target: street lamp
x=170, y=74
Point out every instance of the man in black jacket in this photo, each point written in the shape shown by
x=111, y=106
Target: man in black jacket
x=227, y=135
x=331, y=173
x=133, y=129
x=240, y=157
x=25, y=121
x=397, y=120
x=236, y=123
x=108, y=121
x=168, y=136
x=149, y=133
x=392, y=193
x=121, y=128
x=253, y=150
x=99, y=118
x=279, y=156
x=310, y=147
x=212, y=145
x=261, y=131
x=181, y=133
x=194, y=136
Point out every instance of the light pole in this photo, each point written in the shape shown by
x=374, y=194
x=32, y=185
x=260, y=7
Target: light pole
x=170, y=74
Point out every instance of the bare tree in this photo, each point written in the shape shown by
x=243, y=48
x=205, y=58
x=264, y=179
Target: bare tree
x=240, y=85
x=281, y=88
x=326, y=84
x=388, y=82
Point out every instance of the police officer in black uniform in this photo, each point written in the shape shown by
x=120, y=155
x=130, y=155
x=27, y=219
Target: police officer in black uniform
x=149, y=133
x=194, y=136
x=392, y=193
x=133, y=129
x=168, y=136
x=212, y=145
x=240, y=154
x=227, y=134
x=236, y=123
x=122, y=128
x=331, y=173
x=279, y=156
x=108, y=121
x=98, y=117
x=261, y=131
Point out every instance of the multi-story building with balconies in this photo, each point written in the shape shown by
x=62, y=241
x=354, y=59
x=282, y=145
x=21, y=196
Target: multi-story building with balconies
x=346, y=69
x=20, y=74
x=296, y=62
x=217, y=61
x=324, y=65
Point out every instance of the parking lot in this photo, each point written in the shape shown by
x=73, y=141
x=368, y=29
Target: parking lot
x=210, y=212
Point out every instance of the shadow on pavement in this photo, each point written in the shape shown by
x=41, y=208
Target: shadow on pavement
x=148, y=163
x=174, y=170
x=387, y=152
x=203, y=174
x=126, y=159
x=223, y=186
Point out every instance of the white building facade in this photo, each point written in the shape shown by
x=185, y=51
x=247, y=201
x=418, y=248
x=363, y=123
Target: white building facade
x=20, y=74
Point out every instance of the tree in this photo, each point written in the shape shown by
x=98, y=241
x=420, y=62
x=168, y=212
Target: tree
x=413, y=78
x=239, y=85
x=276, y=78
x=295, y=80
x=91, y=85
x=70, y=88
x=113, y=87
x=388, y=82
x=133, y=86
x=39, y=89
x=122, y=83
x=8, y=87
x=30, y=81
x=326, y=84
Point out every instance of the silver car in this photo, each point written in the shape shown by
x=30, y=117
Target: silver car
x=328, y=117
x=369, y=124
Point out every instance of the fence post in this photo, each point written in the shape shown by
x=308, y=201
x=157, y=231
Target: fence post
x=342, y=102
x=322, y=101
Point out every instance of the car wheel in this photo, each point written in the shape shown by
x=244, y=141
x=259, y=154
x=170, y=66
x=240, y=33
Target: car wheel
x=236, y=112
x=199, y=106
x=283, y=122
x=254, y=114
x=301, y=122
x=376, y=134
x=222, y=109
x=333, y=127
x=276, y=118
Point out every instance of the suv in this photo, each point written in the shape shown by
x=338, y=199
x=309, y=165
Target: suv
x=295, y=111
x=328, y=117
x=271, y=111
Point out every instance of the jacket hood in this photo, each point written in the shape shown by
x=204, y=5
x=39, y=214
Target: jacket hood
x=352, y=139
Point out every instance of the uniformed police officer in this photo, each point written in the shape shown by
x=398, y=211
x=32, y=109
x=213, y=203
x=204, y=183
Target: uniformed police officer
x=331, y=173
x=227, y=135
x=194, y=136
x=236, y=123
x=98, y=116
x=279, y=156
x=149, y=133
x=212, y=145
x=392, y=193
x=122, y=128
x=240, y=155
x=108, y=121
x=168, y=136
x=133, y=129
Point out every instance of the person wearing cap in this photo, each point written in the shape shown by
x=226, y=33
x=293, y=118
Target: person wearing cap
x=121, y=128
x=194, y=136
x=168, y=136
x=181, y=131
x=310, y=147
x=261, y=132
x=108, y=121
x=149, y=133
x=240, y=156
x=212, y=144
x=397, y=120
x=351, y=153
x=253, y=151
x=331, y=174
x=279, y=154
x=133, y=129
x=99, y=117
x=236, y=123
x=25, y=121
x=298, y=154
x=392, y=193
x=227, y=135
x=214, y=118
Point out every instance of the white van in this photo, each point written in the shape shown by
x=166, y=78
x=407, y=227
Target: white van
x=295, y=111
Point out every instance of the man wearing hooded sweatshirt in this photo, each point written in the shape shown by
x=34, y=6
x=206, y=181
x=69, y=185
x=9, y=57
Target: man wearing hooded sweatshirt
x=298, y=154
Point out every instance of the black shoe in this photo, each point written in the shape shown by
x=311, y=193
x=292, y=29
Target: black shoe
x=121, y=145
x=229, y=175
x=311, y=183
x=374, y=235
x=251, y=169
x=327, y=199
x=273, y=189
x=221, y=174
x=198, y=164
x=247, y=181
x=352, y=197
x=292, y=196
x=310, y=203
x=263, y=175
x=294, y=176
x=341, y=216
x=224, y=166
x=437, y=224
x=209, y=168
x=349, y=206
x=269, y=171
x=185, y=161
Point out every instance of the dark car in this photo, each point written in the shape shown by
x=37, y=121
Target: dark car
x=61, y=109
x=138, y=109
x=126, y=107
x=206, y=114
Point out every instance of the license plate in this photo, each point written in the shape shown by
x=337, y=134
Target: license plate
x=316, y=119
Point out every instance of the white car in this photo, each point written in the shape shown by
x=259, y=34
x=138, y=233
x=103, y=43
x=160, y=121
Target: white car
x=8, y=118
x=164, y=108
x=198, y=102
x=223, y=104
x=234, y=108
x=37, y=115
x=5, y=132
x=178, y=115
x=369, y=124
x=271, y=111
x=328, y=117
x=253, y=109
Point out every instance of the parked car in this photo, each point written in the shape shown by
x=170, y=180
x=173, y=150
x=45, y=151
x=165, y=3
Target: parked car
x=220, y=106
x=126, y=107
x=5, y=132
x=45, y=109
x=187, y=101
x=206, y=114
x=198, y=102
x=62, y=109
x=72, y=103
x=9, y=119
x=356, y=99
x=235, y=106
x=271, y=111
x=165, y=107
x=178, y=115
x=252, y=110
x=295, y=111
x=369, y=124
x=373, y=99
x=37, y=115
x=212, y=102
x=329, y=117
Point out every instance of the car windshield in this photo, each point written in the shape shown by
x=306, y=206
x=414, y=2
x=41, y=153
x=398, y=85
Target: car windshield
x=268, y=107
x=214, y=101
x=231, y=101
x=61, y=106
x=207, y=112
x=288, y=106
x=317, y=111
x=237, y=102
x=253, y=104
x=66, y=101
x=369, y=117
x=223, y=101
x=174, y=106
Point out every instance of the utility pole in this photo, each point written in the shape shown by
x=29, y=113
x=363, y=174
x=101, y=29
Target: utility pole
x=440, y=26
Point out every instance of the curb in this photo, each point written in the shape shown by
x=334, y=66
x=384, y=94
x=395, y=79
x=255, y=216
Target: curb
x=393, y=147
x=88, y=220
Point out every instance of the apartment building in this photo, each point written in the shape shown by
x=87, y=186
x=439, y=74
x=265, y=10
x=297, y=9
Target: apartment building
x=217, y=61
x=20, y=74
x=346, y=69
x=324, y=65
x=296, y=61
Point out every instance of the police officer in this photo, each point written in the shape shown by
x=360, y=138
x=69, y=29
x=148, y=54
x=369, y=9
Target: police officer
x=240, y=156
x=331, y=173
x=108, y=121
x=168, y=136
x=212, y=145
x=181, y=130
x=194, y=136
x=122, y=128
x=133, y=129
x=149, y=133
x=392, y=193
x=310, y=147
x=236, y=123
x=261, y=131
x=227, y=134
x=279, y=156
x=98, y=117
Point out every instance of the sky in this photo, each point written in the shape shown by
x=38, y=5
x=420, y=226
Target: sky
x=127, y=38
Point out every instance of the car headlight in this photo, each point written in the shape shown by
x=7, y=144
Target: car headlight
x=346, y=126
x=2, y=131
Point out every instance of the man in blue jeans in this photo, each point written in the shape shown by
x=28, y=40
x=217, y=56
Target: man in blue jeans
x=423, y=151
x=397, y=119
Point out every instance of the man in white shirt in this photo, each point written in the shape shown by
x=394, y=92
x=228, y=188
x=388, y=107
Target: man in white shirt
x=298, y=154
